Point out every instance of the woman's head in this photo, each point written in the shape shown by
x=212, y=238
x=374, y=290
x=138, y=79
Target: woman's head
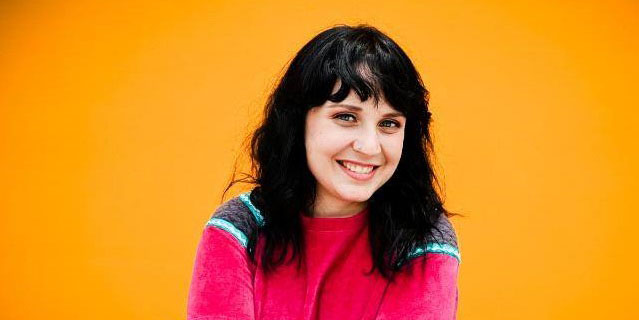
x=348, y=65
x=352, y=148
x=308, y=127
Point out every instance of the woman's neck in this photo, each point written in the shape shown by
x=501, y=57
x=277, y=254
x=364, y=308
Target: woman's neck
x=334, y=208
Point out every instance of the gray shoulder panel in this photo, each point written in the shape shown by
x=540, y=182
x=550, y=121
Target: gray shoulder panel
x=442, y=241
x=235, y=217
x=443, y=232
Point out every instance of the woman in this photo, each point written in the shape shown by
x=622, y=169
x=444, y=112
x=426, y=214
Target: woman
x=344, y=186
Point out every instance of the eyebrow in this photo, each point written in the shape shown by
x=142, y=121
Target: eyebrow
x=356, y=108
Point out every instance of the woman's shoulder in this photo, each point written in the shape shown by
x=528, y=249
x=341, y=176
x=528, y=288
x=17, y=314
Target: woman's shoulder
x=442, y=240
x=237, y=216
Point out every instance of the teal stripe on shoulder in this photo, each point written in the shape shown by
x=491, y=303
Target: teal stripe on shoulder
x=245, y=197
x=230, y=228
x=434, y=247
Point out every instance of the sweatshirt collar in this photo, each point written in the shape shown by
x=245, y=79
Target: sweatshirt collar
x=353, y=222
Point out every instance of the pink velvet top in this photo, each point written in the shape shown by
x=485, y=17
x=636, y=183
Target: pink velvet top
x=331, y=284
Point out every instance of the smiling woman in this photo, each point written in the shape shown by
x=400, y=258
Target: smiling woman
x=352, y=149
x=343, y=184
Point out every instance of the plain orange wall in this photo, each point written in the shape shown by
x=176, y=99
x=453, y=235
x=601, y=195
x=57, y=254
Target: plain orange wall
x=120, y=123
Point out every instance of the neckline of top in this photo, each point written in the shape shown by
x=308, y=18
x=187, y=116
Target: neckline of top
x=337, y=223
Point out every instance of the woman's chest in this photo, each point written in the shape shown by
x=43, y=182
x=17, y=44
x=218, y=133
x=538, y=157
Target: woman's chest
x=333, y=281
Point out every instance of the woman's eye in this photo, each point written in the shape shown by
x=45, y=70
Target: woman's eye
x=343, y=116
x=391, y=122
x=386, y=123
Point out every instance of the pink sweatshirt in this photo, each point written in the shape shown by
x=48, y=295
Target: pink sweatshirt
x=331, y=283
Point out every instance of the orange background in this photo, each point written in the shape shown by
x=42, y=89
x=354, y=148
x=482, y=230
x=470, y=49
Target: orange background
x=120, y=123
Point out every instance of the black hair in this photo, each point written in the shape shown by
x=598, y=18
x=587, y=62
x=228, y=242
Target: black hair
x=404, y=210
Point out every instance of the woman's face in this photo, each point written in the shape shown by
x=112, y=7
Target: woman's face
x=352, y=149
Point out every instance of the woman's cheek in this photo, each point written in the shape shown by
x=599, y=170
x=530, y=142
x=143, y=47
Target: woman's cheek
x=393, y=149
x=336, y=138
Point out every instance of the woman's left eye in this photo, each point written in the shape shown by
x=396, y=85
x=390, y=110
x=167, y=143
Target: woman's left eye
x=391, y=123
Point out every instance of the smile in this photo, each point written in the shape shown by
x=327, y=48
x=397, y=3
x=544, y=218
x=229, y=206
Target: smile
x=357, y=172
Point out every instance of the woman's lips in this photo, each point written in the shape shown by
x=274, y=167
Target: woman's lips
x=358, y=176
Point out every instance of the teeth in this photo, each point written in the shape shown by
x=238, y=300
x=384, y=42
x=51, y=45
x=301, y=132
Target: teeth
x=356, y=168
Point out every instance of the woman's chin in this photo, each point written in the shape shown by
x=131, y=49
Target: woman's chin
x=355, y=195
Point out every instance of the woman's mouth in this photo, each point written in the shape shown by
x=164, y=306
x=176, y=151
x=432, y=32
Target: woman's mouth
x=357, y=172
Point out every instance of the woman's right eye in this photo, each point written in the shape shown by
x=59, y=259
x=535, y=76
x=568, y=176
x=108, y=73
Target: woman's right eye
x=343, y=116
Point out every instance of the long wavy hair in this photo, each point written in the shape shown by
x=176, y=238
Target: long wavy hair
x=403, y=212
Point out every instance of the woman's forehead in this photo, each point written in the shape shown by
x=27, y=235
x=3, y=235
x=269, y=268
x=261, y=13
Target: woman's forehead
x=354, y=100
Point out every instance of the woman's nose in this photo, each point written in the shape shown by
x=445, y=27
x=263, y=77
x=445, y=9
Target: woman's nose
x=367, y=143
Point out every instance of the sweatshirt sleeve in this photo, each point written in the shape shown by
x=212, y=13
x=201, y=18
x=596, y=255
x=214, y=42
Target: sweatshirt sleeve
x=221, y=285
x=428, y=290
